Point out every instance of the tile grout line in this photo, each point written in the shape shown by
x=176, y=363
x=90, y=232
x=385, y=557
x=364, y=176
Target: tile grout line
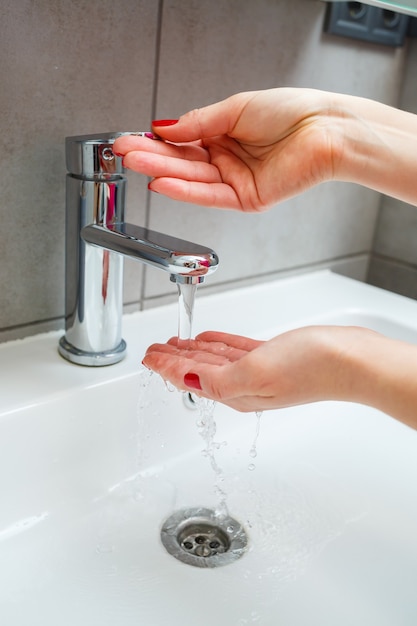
x=153, y=114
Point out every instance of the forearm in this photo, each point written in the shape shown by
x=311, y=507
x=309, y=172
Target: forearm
x=375, y=145
x=382, y=373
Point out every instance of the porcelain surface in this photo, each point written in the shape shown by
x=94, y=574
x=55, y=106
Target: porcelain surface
x=92, y=462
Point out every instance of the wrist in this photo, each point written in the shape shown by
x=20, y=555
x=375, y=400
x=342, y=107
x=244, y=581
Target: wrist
x=379, y=372
x=373, y=144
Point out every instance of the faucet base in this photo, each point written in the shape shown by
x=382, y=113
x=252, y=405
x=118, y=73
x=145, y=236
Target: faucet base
x=91, y=359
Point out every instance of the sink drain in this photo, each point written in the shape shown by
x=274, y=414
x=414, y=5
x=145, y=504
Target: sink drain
x=190, y=400
x=201, y=538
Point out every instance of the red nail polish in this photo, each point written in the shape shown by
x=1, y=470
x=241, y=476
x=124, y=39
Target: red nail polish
x=164, y=122
x=193, y=381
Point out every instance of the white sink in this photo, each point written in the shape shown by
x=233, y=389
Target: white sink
x=93, y=461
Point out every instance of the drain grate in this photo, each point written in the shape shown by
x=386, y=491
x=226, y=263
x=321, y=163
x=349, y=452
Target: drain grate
x=203, y=538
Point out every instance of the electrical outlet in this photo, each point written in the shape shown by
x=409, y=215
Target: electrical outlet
x=367, y=23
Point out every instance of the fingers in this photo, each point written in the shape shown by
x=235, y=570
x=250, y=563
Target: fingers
x=211, y=375
x=235, y=341
x=155, y=165
x=198, y=351
x=133, y=143
x=218, y=342
x=173, y=363
x=182, y=172
x=169, y=366
x=209, y=365
x=210, y=121
x=214, y=120
x=232, y=384
x=215, y=195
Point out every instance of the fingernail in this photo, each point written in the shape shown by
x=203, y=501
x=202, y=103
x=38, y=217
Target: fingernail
x=150, y=136
x=193, y=381
x=158, y=123
x=150, y=188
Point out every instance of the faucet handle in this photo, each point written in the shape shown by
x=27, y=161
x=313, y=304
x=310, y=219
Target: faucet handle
x=92, y=156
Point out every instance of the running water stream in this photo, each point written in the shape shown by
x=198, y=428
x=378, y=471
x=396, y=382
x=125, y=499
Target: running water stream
x=186, y=299
x=206, y=423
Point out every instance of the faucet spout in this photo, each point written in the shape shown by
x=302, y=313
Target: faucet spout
x=186, y=262
x=97, y=238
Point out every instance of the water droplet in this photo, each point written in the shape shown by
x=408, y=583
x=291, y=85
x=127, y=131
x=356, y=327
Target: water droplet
x=251, y=467
x=169, y=386
x=253, y=451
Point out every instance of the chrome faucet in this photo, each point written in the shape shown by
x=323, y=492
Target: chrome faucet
x=96, y=238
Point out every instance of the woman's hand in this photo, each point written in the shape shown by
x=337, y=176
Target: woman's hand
x=297, y=367
x=258, y=148
x=245, y=153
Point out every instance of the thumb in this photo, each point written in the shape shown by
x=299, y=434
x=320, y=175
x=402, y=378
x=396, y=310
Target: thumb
x=214, y=382
x=210, y=121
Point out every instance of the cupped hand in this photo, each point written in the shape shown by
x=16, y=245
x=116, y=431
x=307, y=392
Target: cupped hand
x=297, y=367
x=247, y=152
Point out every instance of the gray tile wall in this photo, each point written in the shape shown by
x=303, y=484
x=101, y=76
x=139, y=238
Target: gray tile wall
x=393, y=264
x=89, y=66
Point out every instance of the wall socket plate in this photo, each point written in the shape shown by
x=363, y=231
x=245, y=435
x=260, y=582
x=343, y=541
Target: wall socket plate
x=358, y=20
